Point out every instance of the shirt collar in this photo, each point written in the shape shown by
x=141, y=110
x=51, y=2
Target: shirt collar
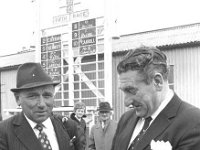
x=47, y=123
x=164, y=103
x=79, y=119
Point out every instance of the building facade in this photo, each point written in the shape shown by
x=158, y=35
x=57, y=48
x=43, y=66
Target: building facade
x=83, y=76
x=8, y=71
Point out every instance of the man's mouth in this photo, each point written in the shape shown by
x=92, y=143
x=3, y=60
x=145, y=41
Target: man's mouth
x=41, y=112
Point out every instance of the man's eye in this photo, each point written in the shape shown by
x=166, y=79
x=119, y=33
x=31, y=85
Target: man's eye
x=47, y=96
x=32, y=96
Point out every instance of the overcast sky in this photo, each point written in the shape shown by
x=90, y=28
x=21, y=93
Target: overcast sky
x=17, y=19
x=16, y=25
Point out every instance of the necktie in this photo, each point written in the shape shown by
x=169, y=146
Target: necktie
x=141, y=133
x=42, y=137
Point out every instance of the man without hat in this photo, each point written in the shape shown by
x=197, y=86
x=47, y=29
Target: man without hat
x=101, y=134
x=35, y=128
x=159, y=120
x=77, y=116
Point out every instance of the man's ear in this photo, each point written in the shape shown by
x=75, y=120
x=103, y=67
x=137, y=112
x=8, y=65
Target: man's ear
x=158, y=81
x=17, y=99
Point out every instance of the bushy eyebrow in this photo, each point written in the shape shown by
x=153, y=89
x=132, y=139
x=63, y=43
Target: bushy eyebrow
x=47, y=93
x=129, y=89
x=36, y=93
x=31, y=93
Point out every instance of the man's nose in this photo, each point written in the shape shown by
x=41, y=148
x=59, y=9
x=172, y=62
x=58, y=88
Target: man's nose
x=41, y=101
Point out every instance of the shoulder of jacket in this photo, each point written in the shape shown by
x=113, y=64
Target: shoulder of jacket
x=65, y=119
x=11, y=120
x=129, y=113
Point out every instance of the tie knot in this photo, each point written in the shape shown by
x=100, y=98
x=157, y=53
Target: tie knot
x=148, y=119
x=39, y=127
x=147, y=122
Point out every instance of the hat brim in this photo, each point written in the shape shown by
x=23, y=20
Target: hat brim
x=29, y=86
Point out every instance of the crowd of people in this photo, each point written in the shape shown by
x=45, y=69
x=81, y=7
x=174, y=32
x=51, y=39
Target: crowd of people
x=157, y=119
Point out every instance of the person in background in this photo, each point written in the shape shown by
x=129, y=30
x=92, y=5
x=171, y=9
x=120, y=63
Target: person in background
x=159, y=118
x=35, y=128
x=78, y=115
x=101, y=134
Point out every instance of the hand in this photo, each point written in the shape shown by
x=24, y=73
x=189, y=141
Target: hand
x=160, y=145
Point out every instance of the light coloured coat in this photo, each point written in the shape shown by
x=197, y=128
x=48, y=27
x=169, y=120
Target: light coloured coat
x=101, y=139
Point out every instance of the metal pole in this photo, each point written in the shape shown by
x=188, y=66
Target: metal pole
x=108, y=51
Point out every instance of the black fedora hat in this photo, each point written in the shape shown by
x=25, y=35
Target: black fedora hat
x=30, y=75
x=104, y=106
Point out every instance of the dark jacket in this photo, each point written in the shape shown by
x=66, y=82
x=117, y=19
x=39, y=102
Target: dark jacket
x=17, y=134
x=178, y=123
x=81, y=125
x=76, y=135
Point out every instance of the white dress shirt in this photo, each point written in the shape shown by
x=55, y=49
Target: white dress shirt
x=140, y=122
x=49, y=131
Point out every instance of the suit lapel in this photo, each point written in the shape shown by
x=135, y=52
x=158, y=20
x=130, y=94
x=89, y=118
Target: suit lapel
x=62, y=137
x=161, y=122
x=128, y=130
x=25, y=134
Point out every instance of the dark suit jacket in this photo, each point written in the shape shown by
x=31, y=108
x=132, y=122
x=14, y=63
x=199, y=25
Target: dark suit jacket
x=81, y=123
x=81, y=126
x=73, y=130
x=178, y=123
x=17, y=134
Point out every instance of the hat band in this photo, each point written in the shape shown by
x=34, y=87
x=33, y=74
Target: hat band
x=33, y=85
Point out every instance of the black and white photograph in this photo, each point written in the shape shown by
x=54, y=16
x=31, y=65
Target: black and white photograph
x=99, y=75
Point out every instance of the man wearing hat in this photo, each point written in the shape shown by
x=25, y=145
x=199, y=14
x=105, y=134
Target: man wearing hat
x=35, y=128
x=102, y=133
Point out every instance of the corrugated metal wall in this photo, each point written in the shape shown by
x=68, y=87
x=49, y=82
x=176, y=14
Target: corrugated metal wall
x=8, y=79
x=186, y=63
x=118, y=100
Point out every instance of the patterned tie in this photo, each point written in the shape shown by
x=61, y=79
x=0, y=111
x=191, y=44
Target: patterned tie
x=141, y=133
x=42, y=137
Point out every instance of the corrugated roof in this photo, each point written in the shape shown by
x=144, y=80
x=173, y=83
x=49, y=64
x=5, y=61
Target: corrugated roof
x=13, y=60
x=162, y=37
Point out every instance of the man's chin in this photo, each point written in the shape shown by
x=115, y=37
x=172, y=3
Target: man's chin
x=140, y=114
x=41, y=118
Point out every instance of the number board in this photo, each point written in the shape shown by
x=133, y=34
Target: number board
x=84, y=36
x=51, y=56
